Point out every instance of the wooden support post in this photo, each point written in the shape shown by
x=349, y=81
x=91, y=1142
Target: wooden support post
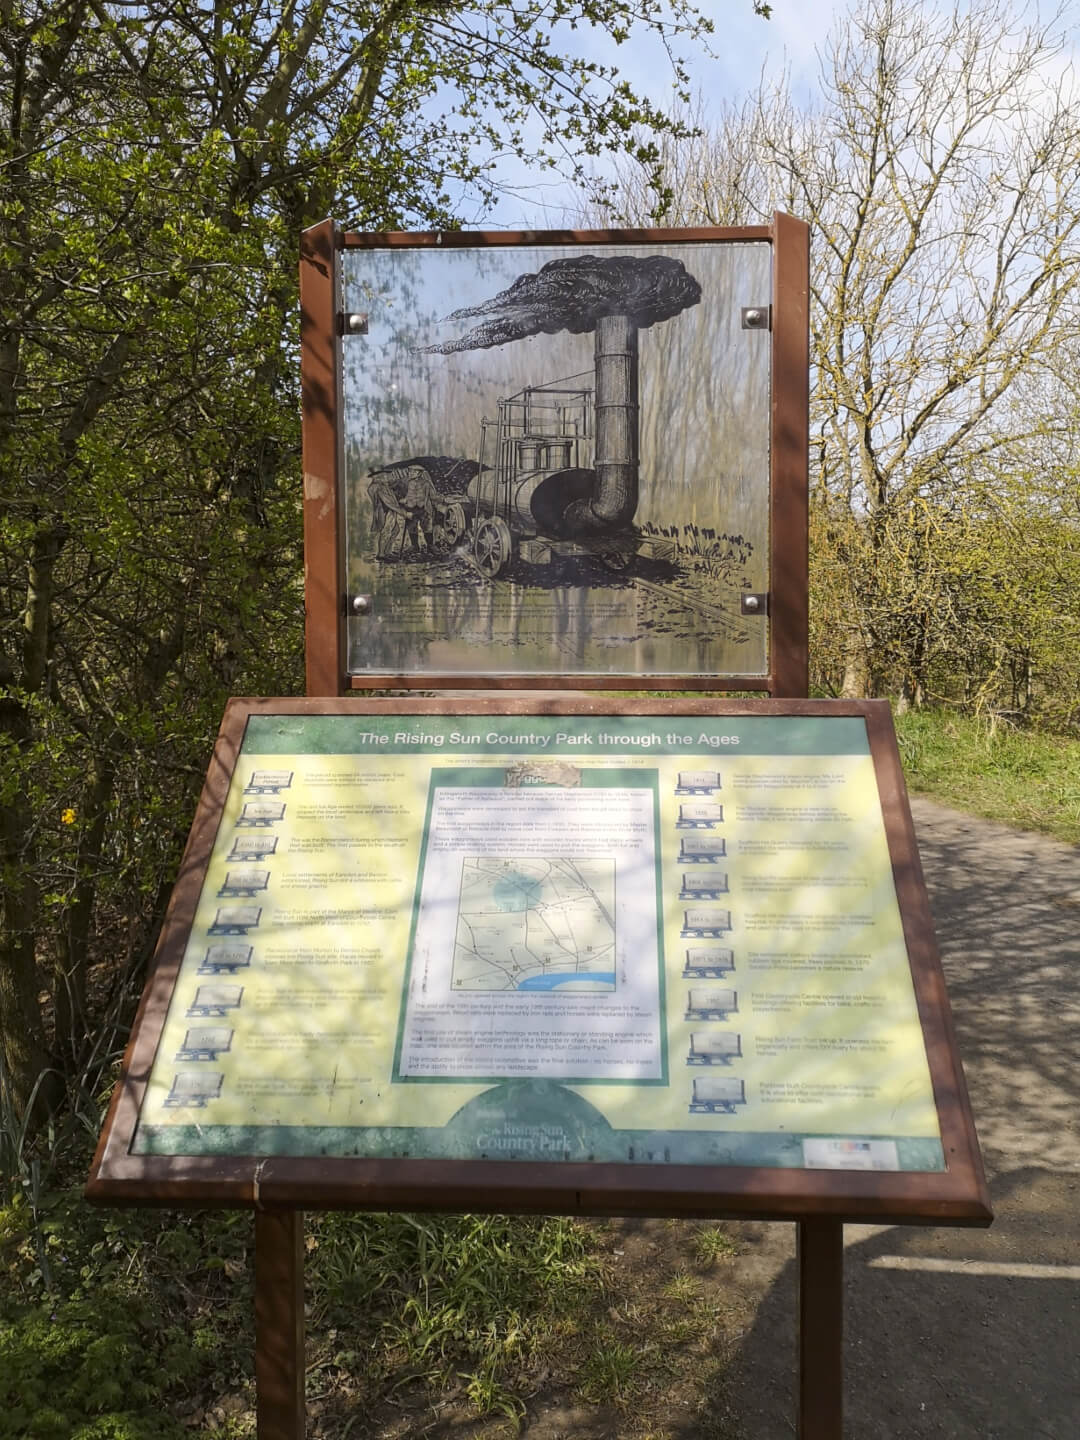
x=821, y=1329
x=789, y=585
x=279, y=1324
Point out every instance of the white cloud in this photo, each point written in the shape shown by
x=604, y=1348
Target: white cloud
x=744, y=47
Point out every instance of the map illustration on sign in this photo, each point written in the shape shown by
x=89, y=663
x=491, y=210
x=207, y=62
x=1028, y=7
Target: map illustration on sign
x=536, y=924
x=536, y=946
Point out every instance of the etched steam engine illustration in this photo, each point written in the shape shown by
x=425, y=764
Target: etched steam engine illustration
x=557, y=472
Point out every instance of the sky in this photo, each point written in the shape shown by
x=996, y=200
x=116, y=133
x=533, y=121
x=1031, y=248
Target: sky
x=745, y=46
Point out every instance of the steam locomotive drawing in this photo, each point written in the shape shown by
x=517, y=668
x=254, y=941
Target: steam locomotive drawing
x=557, y=473
x=556, y=478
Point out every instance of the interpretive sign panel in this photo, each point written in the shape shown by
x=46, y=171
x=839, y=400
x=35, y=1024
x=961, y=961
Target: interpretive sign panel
x=486, y=937
x=560, y=453
x=556, y=458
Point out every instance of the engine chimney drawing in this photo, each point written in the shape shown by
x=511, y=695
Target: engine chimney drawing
x=615, y=496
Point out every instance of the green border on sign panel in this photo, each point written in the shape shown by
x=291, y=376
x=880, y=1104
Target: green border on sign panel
x=523, y=1120
x=637, y=735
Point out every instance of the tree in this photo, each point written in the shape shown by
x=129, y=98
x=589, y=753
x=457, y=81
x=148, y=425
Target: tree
x=937, y=172
x=158, y=162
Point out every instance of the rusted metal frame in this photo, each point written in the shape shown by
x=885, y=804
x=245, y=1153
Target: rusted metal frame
x=956, y=1196
x=279, y=1325
x=531, y=1188
x=575, y=704
x=789, y=605
x=463, y=239
x=958, y=1135
x=577, y=681
x=821, y=1329
x=320, y=385
x=781, y=237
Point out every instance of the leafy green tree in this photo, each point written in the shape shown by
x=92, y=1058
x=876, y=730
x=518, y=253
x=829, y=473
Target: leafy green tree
x=157, y=163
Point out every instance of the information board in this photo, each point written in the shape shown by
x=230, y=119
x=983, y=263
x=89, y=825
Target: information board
x=540, y=461
x=556, y=458
x=680, y=946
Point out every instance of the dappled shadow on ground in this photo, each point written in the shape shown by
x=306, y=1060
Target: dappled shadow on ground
x=937, y=1343
x=953, y=1352
x=1007, y=910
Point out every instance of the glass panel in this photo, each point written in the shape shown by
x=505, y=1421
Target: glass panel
x=557, y=459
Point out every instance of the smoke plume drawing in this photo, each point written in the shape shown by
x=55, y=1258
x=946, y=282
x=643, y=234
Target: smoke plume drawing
x=575, y=294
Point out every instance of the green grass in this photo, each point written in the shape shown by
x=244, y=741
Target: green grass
x=1019, y=777
x=137, y=1324
x=713, y=1243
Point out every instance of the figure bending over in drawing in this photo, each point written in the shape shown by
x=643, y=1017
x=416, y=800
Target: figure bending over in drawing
x=403, y=512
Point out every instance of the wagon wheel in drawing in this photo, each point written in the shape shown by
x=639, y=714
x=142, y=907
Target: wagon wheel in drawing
x=492, y=546
x=450, y=526
x=617, y=560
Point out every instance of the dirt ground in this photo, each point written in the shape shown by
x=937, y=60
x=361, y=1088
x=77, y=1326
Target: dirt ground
x=966, y=1334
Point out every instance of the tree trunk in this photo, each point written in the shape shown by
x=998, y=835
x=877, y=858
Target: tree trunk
x=22, y=1032
x=853, y=686
x=69, y=986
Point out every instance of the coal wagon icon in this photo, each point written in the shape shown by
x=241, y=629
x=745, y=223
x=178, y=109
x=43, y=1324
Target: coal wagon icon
x=710, y=1002
x=194, y=1088
x=225, y=959
x=205, y=1043
x=244, y=882
x=706, y=962
x=697, y=782
x=235, y=919
x=699, y=816
x=215, y=1001
x=701, y=849
x=703, y=921
x=259, y=813
x=716, y=1095
x=704, y=886
x=714, y=1047
x=268, y=782
x=253, y=847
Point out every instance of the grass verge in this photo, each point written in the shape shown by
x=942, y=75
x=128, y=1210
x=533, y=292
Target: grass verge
x=1019, y=777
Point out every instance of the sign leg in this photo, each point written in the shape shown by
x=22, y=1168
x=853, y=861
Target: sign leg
x=279, y=1324
x=821, y=1329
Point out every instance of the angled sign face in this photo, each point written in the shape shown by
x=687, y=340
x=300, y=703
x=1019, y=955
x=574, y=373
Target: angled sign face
x=480, y=970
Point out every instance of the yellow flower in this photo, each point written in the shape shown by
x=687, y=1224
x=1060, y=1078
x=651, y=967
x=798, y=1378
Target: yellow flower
x=68, y=817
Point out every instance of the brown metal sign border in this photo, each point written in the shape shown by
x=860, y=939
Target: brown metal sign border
x=957, y=1195
x=321, y=375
